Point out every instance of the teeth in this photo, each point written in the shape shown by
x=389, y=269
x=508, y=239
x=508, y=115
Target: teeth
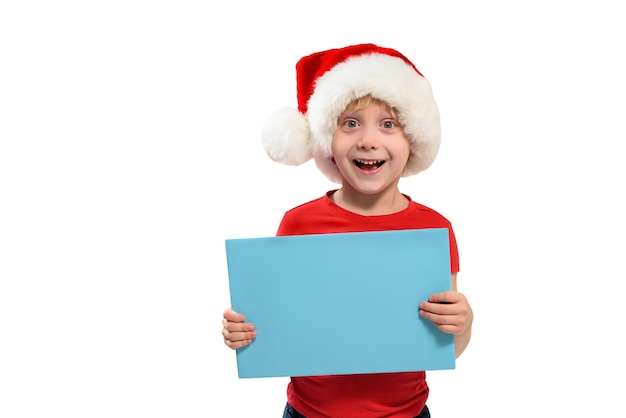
x=369, y=162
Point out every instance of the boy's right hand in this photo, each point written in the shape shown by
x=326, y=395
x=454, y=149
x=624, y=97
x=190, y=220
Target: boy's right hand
x=237, y=333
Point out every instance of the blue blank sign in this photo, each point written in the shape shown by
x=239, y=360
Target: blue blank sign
x=343, y=303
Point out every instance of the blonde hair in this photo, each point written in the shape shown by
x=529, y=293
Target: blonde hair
x=364, y=101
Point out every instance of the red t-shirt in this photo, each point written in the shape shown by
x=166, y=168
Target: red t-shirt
x=395, y=395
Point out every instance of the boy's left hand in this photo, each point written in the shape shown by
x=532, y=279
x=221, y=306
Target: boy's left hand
x=449, y=311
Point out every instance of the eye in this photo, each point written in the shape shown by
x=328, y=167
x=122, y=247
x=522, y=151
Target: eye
x=388, y=124
x=350, y=123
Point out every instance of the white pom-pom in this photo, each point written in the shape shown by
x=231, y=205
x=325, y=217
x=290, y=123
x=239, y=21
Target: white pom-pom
x=286, y=137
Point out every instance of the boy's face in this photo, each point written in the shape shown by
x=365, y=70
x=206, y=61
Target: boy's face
x=370, y=149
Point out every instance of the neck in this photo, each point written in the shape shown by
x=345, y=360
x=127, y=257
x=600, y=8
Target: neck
x=384, y=203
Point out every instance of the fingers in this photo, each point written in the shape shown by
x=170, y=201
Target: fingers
x=449, y=311
x=446, y=297
x=235, y=331
x=237, y=340
x=450, y=323
x=233, y=316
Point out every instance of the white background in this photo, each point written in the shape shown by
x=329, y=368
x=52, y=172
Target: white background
x=130, y=150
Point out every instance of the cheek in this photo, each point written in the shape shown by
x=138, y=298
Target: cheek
x=336, y=147
x=401, y=148
x=408, y=150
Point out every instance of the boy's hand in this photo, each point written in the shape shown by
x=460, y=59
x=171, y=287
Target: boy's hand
x=237, y=333
x=449, y=311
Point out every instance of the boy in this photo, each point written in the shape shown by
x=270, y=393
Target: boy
x=367, y=116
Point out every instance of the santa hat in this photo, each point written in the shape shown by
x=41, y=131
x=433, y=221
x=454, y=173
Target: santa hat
x=328, y=81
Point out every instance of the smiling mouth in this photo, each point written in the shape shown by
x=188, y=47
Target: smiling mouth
x=369, y=164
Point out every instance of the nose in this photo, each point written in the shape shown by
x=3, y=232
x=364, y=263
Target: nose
x=369, y=139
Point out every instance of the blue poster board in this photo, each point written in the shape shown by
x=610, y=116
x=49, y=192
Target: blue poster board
x=343, y=303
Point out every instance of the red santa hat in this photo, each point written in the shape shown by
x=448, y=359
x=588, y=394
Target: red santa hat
x=328, y=81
